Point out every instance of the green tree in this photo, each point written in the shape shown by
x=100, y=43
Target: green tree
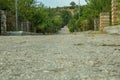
x=98, y=6
x=25, y=9
x=88, y=13
x=72, y=25
x=66, y=16
x=73, y=4
x=4, y=4
x=43, y=19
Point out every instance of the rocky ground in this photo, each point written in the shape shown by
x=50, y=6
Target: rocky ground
x=79, y=56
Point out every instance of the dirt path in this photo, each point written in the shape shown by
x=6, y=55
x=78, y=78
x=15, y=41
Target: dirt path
x=60, y=57
x=64, y=30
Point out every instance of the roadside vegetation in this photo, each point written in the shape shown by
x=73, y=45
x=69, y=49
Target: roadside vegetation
x=43, y=19
x=50, y=20
x=84, y=16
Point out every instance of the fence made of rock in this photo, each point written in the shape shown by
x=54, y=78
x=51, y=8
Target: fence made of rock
x=104, y=20
x=115, y=12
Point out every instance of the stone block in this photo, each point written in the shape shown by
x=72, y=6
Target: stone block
x=112, y=29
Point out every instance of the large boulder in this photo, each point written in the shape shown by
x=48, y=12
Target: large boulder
x=112, y=29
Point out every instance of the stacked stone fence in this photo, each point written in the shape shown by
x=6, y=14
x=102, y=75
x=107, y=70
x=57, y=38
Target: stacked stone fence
x=104, y=20
x=115, y=13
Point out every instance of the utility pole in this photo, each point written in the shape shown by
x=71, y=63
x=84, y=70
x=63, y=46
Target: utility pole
x=79, y=8
x=16, y=7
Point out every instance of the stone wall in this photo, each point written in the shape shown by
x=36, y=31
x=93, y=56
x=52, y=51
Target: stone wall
x=112, y=29
x=115, y=13
x=104, y=20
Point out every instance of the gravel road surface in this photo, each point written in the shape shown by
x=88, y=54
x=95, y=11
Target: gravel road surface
x=60, y=57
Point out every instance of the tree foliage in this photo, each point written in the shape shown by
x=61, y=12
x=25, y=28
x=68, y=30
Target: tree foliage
x=98, y=6
x=50, y=20
x=43, y=19
x=4, y=4
x=85, y=21
x=66, y=16
x=73, y=4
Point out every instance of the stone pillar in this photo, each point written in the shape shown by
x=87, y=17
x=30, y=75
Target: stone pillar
x=115, y=14
x=3, y=23
x=104, y=20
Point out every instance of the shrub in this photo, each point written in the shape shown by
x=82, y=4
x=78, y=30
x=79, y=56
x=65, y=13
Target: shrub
x=71, y=25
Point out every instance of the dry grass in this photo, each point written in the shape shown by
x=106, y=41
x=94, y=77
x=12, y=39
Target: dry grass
x=97, y=32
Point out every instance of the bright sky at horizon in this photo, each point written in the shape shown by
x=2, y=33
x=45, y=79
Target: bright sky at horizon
x=60, y=3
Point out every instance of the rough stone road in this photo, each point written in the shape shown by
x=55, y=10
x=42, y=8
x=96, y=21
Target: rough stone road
x=79, y=56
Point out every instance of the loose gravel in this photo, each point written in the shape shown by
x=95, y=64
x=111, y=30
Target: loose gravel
x=60, y=57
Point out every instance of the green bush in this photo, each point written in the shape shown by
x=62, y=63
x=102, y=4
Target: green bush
x=51, y=25
x=57, y=22
x=78, y=25
x=84, y=25
x=72, y=25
